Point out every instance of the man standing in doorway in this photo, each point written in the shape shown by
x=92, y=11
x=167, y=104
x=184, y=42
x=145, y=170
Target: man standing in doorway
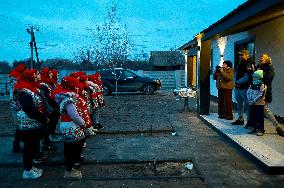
x=243, y=79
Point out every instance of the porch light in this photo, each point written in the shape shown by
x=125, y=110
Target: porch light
x=222, y=45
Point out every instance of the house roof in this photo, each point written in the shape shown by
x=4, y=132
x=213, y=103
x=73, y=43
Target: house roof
x=247, y=15
x=188, y=45
x=166, y=58
x=244, y=17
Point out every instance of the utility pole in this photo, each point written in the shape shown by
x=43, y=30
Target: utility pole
x=31, y=32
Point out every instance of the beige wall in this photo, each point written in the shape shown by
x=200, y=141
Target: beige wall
x=270, y=39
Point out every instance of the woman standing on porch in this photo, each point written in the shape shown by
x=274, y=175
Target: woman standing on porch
x=265, y=64
x=224, y=77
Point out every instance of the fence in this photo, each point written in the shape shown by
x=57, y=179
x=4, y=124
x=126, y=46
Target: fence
x=170, y=79
x=4, y=84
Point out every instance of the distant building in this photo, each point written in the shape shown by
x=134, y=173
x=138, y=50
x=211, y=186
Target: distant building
x=166, y=60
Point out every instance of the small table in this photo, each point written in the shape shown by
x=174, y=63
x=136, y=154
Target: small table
x=185, y=93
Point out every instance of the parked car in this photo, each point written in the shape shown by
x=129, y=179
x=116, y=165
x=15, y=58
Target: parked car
x=127, y=81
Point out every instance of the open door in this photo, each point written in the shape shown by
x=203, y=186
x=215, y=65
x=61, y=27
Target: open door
x=191, y=69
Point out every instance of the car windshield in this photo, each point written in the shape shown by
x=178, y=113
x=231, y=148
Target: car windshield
x=129, y=74
x=119, y=73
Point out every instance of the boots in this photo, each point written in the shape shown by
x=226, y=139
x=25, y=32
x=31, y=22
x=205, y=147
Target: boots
x=280, y=131
x=98, y=126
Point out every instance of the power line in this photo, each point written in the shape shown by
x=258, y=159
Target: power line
x=3, y=17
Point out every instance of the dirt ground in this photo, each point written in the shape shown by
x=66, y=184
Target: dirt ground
x=137, y=149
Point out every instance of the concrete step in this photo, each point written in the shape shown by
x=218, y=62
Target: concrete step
x=266, y=151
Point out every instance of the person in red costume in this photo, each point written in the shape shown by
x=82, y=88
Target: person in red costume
x=14, y=76
x=98, y=101
x=72, y=123
x=53, y=74
x=85, y=95
x=47, y=86
x=31, y=119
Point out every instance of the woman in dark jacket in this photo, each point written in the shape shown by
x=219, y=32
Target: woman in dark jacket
x=265, y=64
x=30, y=119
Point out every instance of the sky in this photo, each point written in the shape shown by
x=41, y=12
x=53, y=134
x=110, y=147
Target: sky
x=64, y=26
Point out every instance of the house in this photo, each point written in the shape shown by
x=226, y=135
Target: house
x=166, y=60
x=256, y=25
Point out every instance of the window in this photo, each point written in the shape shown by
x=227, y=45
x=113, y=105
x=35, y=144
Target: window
x=248, y=44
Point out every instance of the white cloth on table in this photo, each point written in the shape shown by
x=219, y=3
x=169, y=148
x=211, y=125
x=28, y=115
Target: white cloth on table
x=186, y=92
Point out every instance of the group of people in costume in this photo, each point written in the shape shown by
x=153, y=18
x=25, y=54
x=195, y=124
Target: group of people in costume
x=40, y=106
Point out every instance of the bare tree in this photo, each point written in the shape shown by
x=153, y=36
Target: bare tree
x=112, y=44
x=84, y=57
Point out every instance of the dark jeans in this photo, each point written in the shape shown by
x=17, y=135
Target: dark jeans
x=256, y=117
x=72, y=153
x=17, y=138
x=50, y=127
x=31, y=139
x=225, y=108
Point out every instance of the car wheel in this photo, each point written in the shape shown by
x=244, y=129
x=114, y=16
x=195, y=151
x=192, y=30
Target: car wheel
x=148, y=89
x=106, y=90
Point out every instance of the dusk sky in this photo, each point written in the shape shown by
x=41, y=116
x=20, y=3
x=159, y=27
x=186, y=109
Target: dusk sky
x=66, y=25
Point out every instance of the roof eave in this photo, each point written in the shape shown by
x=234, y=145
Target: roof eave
x=240, y=14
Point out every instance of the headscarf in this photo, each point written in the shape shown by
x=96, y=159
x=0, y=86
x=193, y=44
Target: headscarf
x=28, y=81
x=17, y=72
x=54, y=73
x=96, y=78
x=68, y=84
x=77, y=74
x=45, y=75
